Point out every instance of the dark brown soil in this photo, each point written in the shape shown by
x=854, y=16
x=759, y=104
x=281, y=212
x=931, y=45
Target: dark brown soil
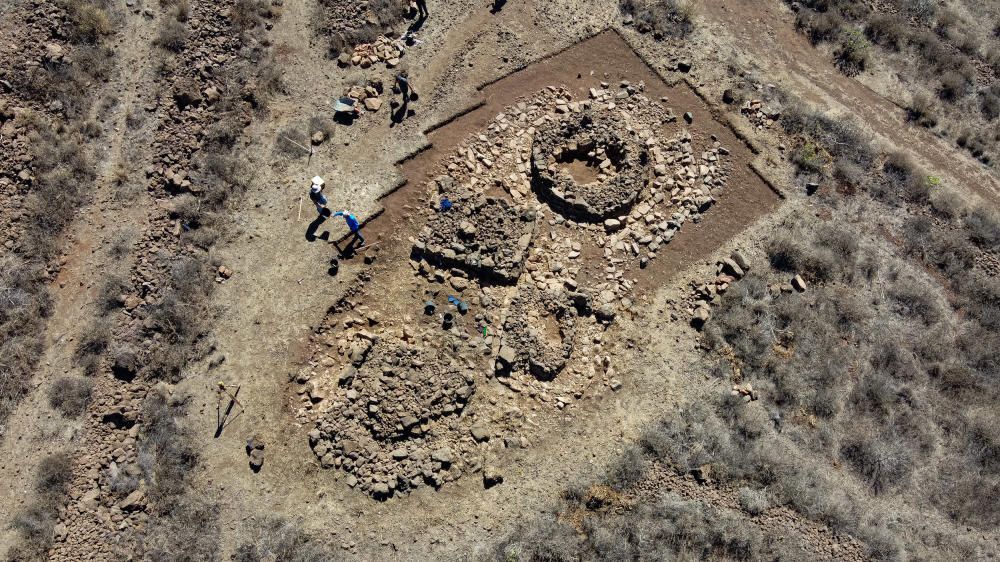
x=602, y=58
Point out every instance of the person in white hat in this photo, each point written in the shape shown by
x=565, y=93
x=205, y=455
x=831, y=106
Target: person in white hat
x=316, y=194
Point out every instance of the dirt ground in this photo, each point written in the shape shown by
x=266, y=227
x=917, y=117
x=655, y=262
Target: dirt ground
x=472, y=63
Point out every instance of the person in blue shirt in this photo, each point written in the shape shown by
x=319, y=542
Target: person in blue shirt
x=353, y=224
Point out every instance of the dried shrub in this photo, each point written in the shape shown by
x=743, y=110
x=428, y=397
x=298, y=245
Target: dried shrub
x=820, y=26
x=35, y=523
x=70, y=395
x=886, y=30
x=922, y=111
x=88, y=22
x=953, y=86
x=753, y=501
x=662, y=18
x=172, y=35
x=983, y=225
x=277, y=538
x=883, y=461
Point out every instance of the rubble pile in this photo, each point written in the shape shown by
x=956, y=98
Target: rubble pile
x=760, y=115
x=394, y=401
x=485, y=236
x=190, y=112
x=539, y=333
x=590, y=136
x=513, y=292
x=384, y=49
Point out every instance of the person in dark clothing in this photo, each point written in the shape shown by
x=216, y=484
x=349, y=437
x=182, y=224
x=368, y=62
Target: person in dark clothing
x=407, y=93
x=316, y=194
x=403, y=83
x=422, y=9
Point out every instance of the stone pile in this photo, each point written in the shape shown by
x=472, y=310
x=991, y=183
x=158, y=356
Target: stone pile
x=367, y=95
x=106, y=496
x=485, y=236
x=760, y=115
x=384, y=49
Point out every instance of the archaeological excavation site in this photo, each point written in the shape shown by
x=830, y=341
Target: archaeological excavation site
x=317, y=280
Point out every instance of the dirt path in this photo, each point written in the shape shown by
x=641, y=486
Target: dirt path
x=37, y=430
x=762, y=33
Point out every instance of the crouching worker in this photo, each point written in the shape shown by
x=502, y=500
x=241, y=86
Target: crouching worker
x=353, y=224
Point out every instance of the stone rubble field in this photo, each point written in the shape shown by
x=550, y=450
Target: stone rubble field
x=516, y=286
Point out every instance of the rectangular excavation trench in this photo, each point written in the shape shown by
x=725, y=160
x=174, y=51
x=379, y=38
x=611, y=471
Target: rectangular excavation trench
x=605, y=57
x=392, y=296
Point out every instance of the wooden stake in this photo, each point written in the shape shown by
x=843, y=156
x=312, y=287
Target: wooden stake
x=300, y=210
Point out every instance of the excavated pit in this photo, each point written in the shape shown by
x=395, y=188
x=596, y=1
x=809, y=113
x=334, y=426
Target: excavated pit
x=484, y=326
x=597, y=139
x=487, y=237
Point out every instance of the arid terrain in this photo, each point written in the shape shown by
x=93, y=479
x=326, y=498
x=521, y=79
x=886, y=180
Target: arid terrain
x=602, y=280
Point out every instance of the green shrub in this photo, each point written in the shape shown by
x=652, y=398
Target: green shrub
x=854, y=54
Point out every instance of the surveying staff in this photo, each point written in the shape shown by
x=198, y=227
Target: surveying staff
x=352, y=223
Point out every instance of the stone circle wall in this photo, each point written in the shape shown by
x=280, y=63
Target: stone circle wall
x=595, y=135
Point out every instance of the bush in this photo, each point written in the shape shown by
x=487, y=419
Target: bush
x=854, y=54
x=921, y=111
x=983, y=225
x=172, y=35
x=810, y=159
x=70, y=395
x=753, y=501
x=886, y=30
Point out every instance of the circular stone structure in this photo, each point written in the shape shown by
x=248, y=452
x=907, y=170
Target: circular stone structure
x=597, y=138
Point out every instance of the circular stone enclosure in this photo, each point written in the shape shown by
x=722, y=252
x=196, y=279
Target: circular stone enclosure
x=597, y=139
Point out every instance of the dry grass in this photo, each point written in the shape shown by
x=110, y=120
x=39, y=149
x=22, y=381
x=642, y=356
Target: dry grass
x=279, y=539
x=35, y=523
x=662, y=18
x=70, y=395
